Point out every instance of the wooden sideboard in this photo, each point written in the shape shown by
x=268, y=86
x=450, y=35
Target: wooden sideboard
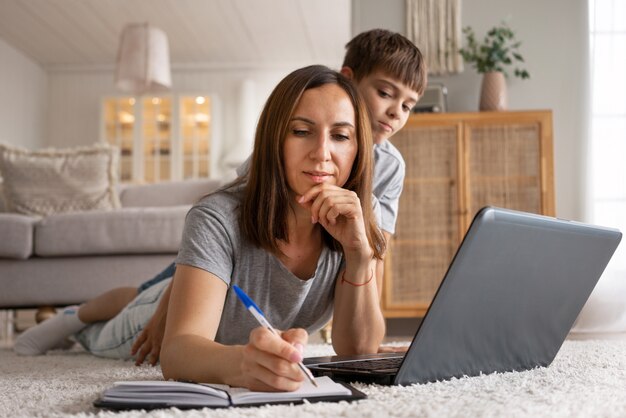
x=456, y=163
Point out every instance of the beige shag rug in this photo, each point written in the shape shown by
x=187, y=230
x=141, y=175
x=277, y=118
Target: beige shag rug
x=588, y=378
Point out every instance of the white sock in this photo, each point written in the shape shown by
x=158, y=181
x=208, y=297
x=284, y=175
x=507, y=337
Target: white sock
x=50, y=333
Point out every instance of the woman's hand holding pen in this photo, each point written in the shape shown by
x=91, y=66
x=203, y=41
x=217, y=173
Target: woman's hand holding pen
x=270, y=363
x=339, y=211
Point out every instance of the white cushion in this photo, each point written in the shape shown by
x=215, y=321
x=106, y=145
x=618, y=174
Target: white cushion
x=122, y=231
x=55, y=181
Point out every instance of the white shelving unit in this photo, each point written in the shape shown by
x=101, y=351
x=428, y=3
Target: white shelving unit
x=167, y=137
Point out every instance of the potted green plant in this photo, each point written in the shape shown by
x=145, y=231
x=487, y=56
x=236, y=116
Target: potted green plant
x=491, y=57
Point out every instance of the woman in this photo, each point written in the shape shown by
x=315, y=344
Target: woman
x=297, y=234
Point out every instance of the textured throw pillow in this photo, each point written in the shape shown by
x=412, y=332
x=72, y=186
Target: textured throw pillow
x=59, y=180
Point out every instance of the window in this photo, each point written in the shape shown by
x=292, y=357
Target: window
x=162, y=137
x=607, y=24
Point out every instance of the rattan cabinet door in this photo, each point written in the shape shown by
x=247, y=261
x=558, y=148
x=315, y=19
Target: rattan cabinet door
x=427, y=230
x=504, y=166
x=455, y=165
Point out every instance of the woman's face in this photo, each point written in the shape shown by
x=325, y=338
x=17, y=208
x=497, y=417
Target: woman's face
x=321, y=142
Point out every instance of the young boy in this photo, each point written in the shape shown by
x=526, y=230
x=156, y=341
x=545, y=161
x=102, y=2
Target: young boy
x=390, y=74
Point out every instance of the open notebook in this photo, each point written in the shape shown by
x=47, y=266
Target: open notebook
x=165, y=394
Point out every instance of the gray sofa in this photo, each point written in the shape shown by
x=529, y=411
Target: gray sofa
x=68, y=258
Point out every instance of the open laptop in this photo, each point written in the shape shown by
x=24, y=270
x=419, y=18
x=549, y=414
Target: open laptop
x=508, y=300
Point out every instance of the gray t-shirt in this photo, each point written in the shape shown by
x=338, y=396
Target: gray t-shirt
x=213, y=241
x=389, y=170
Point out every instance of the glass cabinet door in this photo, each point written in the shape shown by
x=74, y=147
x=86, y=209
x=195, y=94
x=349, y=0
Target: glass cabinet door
x=157, y=139
x=160, y=138
x=195, y=116
x=119, y=120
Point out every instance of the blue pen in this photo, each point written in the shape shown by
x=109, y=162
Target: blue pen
x=258, y=314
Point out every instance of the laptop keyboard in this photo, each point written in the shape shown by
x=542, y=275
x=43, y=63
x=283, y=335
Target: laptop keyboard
x=390, y=363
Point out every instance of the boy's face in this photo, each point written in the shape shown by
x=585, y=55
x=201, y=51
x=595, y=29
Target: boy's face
x=389, y=102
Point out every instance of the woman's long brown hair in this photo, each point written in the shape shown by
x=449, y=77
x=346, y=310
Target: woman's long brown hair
x=266, y=198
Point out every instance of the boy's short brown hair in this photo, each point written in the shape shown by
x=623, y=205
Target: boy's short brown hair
x=390, y=52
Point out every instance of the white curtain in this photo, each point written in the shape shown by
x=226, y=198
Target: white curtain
x=606, y=309
x=435, y=27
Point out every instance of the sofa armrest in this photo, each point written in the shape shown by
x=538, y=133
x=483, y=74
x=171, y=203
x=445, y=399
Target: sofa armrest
x=3, y=205
x=170, y=193
x=16, y=235
x=122, y=231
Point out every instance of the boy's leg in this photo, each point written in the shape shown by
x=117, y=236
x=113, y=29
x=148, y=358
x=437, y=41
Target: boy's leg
x=52, y=332
x=107, y=305
x=114, y=338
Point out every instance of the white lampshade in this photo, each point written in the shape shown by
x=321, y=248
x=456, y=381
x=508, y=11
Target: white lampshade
x=143, y=60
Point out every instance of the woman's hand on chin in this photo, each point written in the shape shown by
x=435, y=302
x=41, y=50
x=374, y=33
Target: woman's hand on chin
x=339, y=212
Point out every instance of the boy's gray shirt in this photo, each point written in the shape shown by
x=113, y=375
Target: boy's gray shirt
x=389, y=170
x=212, y=241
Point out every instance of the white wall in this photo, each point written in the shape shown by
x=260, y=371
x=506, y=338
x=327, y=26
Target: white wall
x=555, y=45
x=23, y=89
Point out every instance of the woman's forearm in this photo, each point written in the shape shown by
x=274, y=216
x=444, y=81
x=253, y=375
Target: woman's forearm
x=189, y=351
x=198, y=359
x=358, y=323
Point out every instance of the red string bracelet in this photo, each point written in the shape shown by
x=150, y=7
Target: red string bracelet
x=343, y=280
